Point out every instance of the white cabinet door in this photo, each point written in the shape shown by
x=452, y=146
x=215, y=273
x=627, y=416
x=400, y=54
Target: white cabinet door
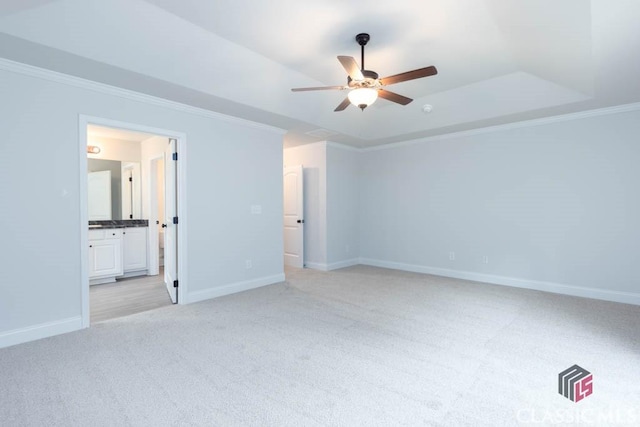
x=135, y=248
x=105, y=256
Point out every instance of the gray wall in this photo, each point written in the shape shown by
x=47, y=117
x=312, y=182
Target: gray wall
x=343, y=187
x=230, y=166
x=548, y=204
x=555, y=203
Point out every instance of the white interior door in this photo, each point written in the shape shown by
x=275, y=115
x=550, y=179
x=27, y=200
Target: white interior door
x=293, y=217
x=170, y=226
x=99, y=195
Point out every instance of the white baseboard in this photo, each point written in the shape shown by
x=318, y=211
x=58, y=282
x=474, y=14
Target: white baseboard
x=556, y=288
x=343, y=264
x=317, y=266
x=333, y=265
x=43, y=330
x=233, y=288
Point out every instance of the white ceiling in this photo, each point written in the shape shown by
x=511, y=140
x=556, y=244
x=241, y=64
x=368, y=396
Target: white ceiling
x=498, y=61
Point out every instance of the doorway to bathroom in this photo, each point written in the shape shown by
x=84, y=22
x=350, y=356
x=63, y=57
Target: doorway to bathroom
x=132, y=238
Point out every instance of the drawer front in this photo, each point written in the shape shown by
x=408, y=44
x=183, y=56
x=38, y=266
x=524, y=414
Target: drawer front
x=96, y=234
x=113, y=233
x=105, y=233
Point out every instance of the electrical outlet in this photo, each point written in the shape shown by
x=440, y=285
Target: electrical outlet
x=256, y=209
x=485, y=259
x=452, y=256
x=247, y=264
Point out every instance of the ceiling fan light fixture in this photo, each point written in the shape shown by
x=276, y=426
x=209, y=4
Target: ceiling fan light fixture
x=363, y=97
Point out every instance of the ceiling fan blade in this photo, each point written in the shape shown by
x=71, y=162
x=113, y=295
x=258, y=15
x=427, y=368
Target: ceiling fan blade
x=351, y=66
x=410, y=75
x=302, y=89
x=394, y=97
x=344, y=104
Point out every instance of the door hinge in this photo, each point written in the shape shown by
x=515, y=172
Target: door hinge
x=175, y=156
x=130, y=179
x=175, y=283
x=175, y=219
x=130, y=216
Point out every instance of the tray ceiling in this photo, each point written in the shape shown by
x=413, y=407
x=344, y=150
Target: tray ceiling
x=498, y=61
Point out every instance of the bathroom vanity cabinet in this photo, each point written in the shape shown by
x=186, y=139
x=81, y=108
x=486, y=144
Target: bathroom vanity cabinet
x=134, y=250
x=117, y=252
x=105, y=255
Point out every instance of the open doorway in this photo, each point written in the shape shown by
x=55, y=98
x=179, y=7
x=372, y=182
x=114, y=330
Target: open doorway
x=131, y=254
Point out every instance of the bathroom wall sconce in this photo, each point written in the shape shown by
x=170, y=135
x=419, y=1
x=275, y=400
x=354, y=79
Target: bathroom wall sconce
x=93, y=149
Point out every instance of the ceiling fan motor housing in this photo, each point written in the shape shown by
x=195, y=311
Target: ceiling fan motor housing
x=370, y=80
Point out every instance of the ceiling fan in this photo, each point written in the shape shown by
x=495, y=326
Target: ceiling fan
x=364, y=85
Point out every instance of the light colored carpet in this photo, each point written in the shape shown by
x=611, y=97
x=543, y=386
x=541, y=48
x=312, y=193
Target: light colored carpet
x=357, y=346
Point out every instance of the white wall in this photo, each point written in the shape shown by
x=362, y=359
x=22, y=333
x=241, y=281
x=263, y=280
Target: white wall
x=230, y=166
x=313, y=158
x=343, y=188
x=552, y=206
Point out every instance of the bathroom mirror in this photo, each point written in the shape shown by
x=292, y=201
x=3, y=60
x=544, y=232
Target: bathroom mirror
x=125, y=199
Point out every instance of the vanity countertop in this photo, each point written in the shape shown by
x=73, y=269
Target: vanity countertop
x=118, y=223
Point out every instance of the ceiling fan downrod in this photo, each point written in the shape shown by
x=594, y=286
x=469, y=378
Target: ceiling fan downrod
x=362, y=40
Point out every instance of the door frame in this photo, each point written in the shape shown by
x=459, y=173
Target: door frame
x=182, y=256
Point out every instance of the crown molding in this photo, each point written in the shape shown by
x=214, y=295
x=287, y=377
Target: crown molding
x=625, y=108
x=343, y=146
x=55, y=76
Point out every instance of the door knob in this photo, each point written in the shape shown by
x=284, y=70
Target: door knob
x=164, y=225
x=301, y=221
